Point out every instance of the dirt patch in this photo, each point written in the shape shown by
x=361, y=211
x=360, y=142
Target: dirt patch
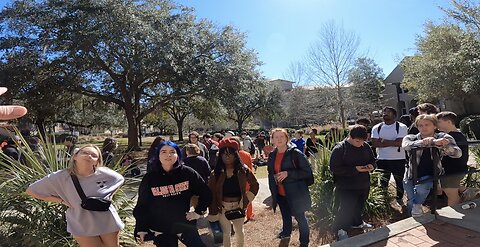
x=261, y=231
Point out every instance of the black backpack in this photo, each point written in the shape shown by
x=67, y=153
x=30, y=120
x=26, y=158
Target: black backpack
x=310, y=180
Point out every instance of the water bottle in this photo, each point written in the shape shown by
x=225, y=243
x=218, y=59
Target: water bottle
x=469, y=205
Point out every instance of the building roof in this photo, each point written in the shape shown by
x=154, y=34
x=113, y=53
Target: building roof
x=281, y=80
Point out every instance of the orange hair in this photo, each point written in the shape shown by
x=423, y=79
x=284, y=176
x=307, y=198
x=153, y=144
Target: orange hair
x=281, y=130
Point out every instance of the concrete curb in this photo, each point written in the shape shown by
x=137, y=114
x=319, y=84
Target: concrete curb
x=383, y=232
x=455, y=215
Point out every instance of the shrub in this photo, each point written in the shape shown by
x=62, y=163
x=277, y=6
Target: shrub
x=322, y=192
x=472, y=180
x=470, y=126
x=378, y=202
x=25, y=221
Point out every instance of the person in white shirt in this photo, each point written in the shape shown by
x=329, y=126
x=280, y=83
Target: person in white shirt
x=246, y=142
x=387, y=138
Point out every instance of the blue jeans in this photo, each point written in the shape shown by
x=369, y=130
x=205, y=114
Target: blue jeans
x=287, y=221
x=417, y=194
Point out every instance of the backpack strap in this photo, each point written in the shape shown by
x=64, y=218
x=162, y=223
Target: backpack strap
x=397, y=127
x=294, y=159
x=78, y=187
x=344, y=150
x=379, y=128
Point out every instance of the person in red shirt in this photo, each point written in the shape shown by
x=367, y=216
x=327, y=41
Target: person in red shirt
x=288, y=171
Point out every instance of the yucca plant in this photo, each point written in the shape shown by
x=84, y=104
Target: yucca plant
x=25, y=221
x=378, y=202
x=322, y=191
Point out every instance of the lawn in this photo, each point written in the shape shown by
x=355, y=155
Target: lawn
x=261, y=172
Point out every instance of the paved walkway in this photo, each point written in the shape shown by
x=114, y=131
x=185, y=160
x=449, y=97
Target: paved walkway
x=264, y=195
x=435, y=233
x=453, y=226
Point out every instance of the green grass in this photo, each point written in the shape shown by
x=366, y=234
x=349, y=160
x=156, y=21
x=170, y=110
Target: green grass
x=261, y=172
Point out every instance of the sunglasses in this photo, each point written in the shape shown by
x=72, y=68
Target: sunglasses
x=86, y=153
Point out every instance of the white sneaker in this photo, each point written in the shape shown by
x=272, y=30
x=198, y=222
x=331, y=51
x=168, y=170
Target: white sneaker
x=342, y=234
x=364, y=225
x=417, y=210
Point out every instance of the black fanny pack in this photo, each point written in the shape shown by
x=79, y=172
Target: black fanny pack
x=90, y=203
x=235, y=214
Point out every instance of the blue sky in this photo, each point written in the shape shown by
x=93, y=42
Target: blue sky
x=281, y=31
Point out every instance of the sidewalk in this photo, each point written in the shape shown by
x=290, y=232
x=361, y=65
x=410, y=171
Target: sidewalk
x=454, y=226
x=263, y=196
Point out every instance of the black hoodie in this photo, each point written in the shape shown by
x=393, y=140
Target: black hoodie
x=164, y=199
x=343, y=160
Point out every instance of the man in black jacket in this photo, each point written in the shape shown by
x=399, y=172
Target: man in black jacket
x=351, y=162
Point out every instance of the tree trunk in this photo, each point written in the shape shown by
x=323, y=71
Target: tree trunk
x=139, y=124
x=240, y=124
x=466, y=106
x=180, y=129
x=132, y=130
x=342, y=107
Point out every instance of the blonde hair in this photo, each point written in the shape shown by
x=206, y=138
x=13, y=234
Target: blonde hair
x=193, y=149
x=430, y=117
x=72, y=163
x=237, y=139
x=283, y=131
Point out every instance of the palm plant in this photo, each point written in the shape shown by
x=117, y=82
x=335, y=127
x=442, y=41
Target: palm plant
x=25, y=221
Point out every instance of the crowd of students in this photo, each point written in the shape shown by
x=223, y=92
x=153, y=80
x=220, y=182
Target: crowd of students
x=430, y=146
x=213, y=177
